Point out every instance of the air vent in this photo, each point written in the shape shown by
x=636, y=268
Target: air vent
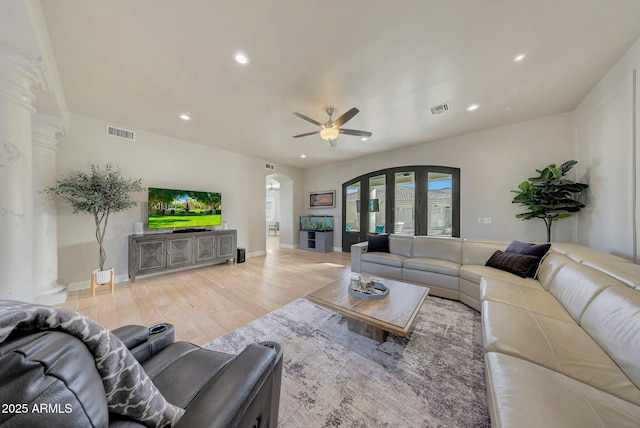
x=121, y=133
x=439, y=109
x=270, y=166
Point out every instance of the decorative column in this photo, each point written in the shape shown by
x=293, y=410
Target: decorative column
x=45, y=236
x=17, y=75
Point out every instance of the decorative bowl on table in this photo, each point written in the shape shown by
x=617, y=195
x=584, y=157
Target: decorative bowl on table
x=368, y=289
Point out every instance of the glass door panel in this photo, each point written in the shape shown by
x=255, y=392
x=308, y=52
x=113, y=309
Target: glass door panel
x=376, y=205
x=439, y=204
x=352, y=206
x=405, y=203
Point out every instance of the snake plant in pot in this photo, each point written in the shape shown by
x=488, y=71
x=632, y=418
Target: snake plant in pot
x=549, y=196
x=99, y=192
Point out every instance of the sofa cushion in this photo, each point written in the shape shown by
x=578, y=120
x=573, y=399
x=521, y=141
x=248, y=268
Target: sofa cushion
x=581, y=254
x=535, y=300
x=475, y=273
x=549, y=267
x=444, y=267
x=523, y=394
x=560, y=346
x=613, y=320
x=478, y=251
x=401, y=245
x=576, y=285
x=517, y=264
x=387, y=259
x=443, y=248
x=625, y=272
x=378, y=243
x=435, y=282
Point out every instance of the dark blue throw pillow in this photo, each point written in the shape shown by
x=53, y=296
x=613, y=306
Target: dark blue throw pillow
x=529, y=249
x=378, y=243
x=538, y=250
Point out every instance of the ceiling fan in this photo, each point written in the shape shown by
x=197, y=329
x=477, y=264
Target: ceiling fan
x=331, y=129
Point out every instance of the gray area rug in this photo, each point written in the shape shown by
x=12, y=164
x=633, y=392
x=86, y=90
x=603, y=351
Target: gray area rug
x=433, y=377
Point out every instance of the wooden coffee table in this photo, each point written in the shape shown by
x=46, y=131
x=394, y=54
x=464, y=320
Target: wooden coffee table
x=375, y=319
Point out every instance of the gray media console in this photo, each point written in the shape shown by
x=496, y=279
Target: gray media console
x=160, y=252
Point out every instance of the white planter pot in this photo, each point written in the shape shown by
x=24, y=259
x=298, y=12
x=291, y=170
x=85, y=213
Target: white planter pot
x=103, y=276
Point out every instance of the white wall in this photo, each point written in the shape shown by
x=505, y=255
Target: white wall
x=606, y=123
x=491, y=162
x=160, y=161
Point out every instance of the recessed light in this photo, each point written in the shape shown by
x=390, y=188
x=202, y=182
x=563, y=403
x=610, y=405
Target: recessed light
x=185, y=116
x=363, y=139
x=473, y=107
x=241, y=58
x=303, y=156
x=519, y=57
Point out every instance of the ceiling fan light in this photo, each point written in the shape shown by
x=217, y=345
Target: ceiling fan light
x=329, y=133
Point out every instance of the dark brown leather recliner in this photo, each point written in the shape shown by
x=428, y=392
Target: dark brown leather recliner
x=54, y=374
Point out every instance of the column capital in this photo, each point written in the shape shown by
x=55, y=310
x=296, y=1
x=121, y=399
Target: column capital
x=18, y=73
x=44, y=129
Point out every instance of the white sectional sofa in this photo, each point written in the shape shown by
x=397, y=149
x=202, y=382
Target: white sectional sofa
x=561, y=349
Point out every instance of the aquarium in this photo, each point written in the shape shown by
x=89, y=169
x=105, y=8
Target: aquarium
x=320, y=223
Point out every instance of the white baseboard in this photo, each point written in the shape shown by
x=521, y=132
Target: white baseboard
x=54, y=298
x=83, y=285
x=290, y=246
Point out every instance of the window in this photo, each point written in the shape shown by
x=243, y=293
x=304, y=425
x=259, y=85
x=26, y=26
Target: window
x=439, y=200
x=377, y=197
x=405, y=202
x=352, y=208
x=409, y=200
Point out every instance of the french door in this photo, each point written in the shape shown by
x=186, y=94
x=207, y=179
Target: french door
x=410, y=200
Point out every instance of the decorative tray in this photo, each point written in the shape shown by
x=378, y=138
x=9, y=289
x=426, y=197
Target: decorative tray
x=375, y=291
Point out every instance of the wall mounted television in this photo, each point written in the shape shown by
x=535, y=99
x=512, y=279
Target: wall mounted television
x=183, y=209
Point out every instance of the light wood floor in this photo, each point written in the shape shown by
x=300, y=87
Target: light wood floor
x=207, y=302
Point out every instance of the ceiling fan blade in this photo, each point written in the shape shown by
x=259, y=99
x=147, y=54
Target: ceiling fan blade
x=355, y=132
x=308, y=119
x=306, y=134
x=345, y=117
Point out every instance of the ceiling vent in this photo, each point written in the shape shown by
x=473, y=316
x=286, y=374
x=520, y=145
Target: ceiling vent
x=121, y=133
x=439, y=109
x=270, y=166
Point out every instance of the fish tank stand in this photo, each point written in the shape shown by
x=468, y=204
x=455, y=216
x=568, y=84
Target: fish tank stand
x=316, y=233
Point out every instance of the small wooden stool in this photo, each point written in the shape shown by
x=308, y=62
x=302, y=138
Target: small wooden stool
x=95, y=285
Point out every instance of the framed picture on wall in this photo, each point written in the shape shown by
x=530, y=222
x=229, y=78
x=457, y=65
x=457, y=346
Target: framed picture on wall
x=323, y=199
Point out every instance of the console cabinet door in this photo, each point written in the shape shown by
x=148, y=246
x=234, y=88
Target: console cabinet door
x=205, y=249
x=226, y=246
x=180, y=252
x=150, y=256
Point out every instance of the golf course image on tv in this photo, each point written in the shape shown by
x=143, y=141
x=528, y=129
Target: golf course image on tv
x=170, y=208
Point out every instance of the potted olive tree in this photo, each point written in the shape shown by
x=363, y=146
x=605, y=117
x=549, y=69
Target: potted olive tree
x=549, y=196
x=99, y=192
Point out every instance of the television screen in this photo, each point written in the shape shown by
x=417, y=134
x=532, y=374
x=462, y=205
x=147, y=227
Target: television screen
x=169, y=208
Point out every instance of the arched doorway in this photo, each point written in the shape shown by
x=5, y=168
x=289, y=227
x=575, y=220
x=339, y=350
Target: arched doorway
x=279, y=209
x=272, y=211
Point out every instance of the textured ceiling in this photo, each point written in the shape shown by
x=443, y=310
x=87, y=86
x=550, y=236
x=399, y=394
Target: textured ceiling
x=141, y=63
